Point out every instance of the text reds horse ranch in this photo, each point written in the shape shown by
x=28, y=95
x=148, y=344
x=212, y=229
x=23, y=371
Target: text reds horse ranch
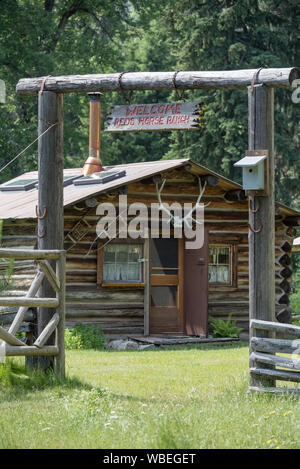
x=161, y=116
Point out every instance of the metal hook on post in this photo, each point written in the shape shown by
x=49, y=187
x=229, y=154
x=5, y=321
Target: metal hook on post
x=258, y=230
x=37, y=211
x=126, y=99
x=40, y=236
x=252, y=210
x=254, y=78
x=179, y=95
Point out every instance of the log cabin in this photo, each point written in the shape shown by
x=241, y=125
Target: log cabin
x=155, y=285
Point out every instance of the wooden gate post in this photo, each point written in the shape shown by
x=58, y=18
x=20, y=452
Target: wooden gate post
x=262, y=244
x=50, y=229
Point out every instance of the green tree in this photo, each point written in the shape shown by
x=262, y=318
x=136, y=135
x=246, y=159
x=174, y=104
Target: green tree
x=40, y=38
x=237, y=34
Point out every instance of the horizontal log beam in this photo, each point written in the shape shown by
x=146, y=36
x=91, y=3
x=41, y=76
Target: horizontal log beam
x=282, y=375
x=261, y=344
x=28, y=254
x=274, y=326
x=31, y=351
x=267, y=359
x=228, y=79
x=274, y=390
x=30, y=302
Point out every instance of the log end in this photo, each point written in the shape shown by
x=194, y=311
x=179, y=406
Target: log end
x=294, y=75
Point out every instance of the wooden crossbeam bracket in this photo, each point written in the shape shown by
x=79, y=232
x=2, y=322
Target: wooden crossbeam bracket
x=50, y=274
x=9, y=338
x=23, y=309
x=47, y=332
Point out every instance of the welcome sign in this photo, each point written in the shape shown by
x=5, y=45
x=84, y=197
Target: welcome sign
x=161, y=116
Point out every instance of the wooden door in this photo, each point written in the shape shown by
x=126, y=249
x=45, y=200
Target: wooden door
x=166, y=286
x=196, y=289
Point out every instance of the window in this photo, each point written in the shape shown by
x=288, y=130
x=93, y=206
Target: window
x=220, y=262
x=121, y=263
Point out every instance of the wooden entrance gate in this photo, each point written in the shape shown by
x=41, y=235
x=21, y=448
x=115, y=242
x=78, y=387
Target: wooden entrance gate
x=260, y=82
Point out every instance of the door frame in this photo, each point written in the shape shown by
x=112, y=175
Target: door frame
x=160, y=280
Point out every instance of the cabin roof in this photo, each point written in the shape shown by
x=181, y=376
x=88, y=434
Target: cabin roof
x=296, y=244
x=22, y=204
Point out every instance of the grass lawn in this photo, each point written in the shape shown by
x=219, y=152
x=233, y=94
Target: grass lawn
x=191, y=397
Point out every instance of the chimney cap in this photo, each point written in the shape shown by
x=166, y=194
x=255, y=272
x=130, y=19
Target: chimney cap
x=95, y=95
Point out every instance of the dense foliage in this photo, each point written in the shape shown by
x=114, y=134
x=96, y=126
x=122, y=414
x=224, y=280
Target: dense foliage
x=49, y=37
x=84, y=337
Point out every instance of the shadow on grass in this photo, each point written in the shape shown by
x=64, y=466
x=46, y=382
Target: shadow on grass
x=16, y=381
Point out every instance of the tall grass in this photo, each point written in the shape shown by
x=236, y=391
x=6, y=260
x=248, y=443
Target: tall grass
x=188, y=397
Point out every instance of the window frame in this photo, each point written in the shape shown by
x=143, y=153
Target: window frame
x=119, y=284
x=233, y=250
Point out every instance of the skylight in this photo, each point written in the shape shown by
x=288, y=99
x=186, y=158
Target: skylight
x=100, y=178
x=20, y=185
x=28, y=184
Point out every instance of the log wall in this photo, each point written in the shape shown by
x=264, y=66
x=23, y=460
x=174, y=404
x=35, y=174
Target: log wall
x=120, y=311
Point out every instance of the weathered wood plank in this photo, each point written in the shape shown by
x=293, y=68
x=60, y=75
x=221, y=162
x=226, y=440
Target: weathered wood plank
x=31, y=351
x=103, y=305
x=50, y=274
x=276, y=327
x=104, y=313
x=273, y=390
x=282, y=375
x=28, y=254
x=61, y=297
x=273, y=360
x=261, y=344
x=158, y=116
x=19, y=318
x=9, y=338
x=50, y=181
x=46, y=333
x=29, y=302
x=262, y=243
x=228, y=79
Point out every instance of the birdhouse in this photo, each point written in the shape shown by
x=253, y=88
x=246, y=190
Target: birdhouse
x=253, y=172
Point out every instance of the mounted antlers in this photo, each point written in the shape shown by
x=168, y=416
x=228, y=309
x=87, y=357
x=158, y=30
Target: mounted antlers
x=187, y=219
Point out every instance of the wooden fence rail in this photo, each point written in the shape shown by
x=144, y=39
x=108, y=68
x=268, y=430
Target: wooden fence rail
x=265, y=365
x=14, y=346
